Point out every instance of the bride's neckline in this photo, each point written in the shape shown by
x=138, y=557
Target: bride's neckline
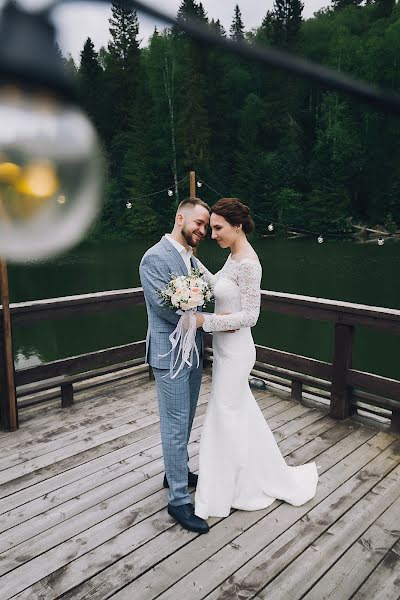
x=243, y=259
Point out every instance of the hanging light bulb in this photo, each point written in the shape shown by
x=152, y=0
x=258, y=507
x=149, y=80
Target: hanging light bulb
x=381, y=241
x=320, y=239
x=270, y=227
x=170, y=193
x=50, y=164
x=199, y=184
x=129, y=205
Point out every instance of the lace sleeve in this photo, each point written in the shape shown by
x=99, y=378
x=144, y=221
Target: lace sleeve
x=208, y=276
x=249, y=281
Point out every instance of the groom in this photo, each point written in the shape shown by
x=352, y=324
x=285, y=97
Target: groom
x=177, y=398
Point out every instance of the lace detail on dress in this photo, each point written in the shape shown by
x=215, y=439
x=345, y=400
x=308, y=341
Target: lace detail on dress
x=246, y=274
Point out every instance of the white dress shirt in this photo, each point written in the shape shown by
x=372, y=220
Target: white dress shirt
x=186, y=254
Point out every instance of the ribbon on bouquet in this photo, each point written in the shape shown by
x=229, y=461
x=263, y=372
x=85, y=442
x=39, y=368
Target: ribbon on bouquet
x=183, y=341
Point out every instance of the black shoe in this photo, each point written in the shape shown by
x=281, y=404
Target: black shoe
x=192, y=480
x=185, y=516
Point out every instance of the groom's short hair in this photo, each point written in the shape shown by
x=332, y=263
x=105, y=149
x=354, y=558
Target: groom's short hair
x=193, y=201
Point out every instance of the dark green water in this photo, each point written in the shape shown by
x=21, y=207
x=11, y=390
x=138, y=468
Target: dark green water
x=339, y=270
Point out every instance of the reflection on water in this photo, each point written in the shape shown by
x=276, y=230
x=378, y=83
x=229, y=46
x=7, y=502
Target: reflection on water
x=339, y=270
x=25, y=357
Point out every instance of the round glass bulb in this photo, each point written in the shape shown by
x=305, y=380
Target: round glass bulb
x=170, y=193
x=270, y=227
x=320, y=239
x=50, y=175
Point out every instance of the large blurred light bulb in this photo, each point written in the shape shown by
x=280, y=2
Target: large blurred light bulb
x=50, y=176
x=50, y=160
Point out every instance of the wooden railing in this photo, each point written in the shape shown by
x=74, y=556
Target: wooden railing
x=347, y=388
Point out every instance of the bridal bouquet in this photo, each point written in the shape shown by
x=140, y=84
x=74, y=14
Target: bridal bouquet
x=185, y=294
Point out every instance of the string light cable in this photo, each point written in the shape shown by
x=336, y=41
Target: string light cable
x=272, y=224
x=168, y=189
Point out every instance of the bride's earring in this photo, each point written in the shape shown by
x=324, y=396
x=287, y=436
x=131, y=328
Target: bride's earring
x=237, y=229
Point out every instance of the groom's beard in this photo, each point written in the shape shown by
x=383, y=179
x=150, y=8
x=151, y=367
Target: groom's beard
x=192, y=239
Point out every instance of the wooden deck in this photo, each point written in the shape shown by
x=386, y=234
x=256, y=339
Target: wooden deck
x=83, y=513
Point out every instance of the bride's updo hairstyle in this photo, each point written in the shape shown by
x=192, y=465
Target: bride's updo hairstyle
x=235, y=212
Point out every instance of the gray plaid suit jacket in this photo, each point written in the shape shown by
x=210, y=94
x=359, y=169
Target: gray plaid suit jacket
x=156, y=267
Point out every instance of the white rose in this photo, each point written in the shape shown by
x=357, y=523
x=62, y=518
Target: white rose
x=192, y=303
x=175, y=299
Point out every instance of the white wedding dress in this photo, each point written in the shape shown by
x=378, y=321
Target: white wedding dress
x=240, y=464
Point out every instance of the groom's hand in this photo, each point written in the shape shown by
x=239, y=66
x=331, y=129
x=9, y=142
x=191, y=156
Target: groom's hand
x=199, y=319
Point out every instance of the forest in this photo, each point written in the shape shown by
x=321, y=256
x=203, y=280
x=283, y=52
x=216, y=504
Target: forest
x=299, y=155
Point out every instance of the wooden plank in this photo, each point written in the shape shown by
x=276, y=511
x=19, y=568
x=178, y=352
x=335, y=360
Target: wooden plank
x=169, y=523
x=297, y=424
x=22, y=490
x=294, y=362
x=22, y=552
x=42, y=497
x=114, y=501
x=260, y=553
x=71, y=574
x=88, y=492
x=182, y=558
x=297, y=579
x=126, y=415
x=120, y=435
x=61, y=424
x=384, y=583
x=348, y=574
x=349, y=313
x=375, y=384
x=54, y=308
x=80, y=363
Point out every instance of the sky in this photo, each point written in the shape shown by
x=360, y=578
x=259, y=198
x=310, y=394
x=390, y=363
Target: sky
x=77, y=21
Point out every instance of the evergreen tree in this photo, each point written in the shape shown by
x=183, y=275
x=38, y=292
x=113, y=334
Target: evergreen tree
x=189, y=10
x=286, y=22
x=124, y=29
x=91, y=83
x=217, y=27
x=339, y=4
x=237, y=27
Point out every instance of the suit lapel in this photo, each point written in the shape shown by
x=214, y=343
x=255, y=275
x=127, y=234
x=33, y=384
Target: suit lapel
x=193, y=262
x=175, y=258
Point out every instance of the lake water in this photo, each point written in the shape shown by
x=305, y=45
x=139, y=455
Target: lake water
x=340, y=270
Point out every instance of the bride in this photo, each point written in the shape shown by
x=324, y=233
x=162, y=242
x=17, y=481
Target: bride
x=240, y=464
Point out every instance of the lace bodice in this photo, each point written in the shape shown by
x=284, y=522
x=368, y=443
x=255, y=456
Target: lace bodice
x=237, y=294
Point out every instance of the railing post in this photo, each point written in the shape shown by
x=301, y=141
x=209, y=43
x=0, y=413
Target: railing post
x=8, y=399
x=341, y=393
x=297, y=390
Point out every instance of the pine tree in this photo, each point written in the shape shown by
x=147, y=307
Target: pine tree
x=124, y=29
x=287, y=22
x=217, y=27
x=339, y=4
x=190, y=9
x=122, y=66
x=91, y=83
x=237, y=27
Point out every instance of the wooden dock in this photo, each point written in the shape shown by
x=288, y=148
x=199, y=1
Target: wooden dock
x=83, y=512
